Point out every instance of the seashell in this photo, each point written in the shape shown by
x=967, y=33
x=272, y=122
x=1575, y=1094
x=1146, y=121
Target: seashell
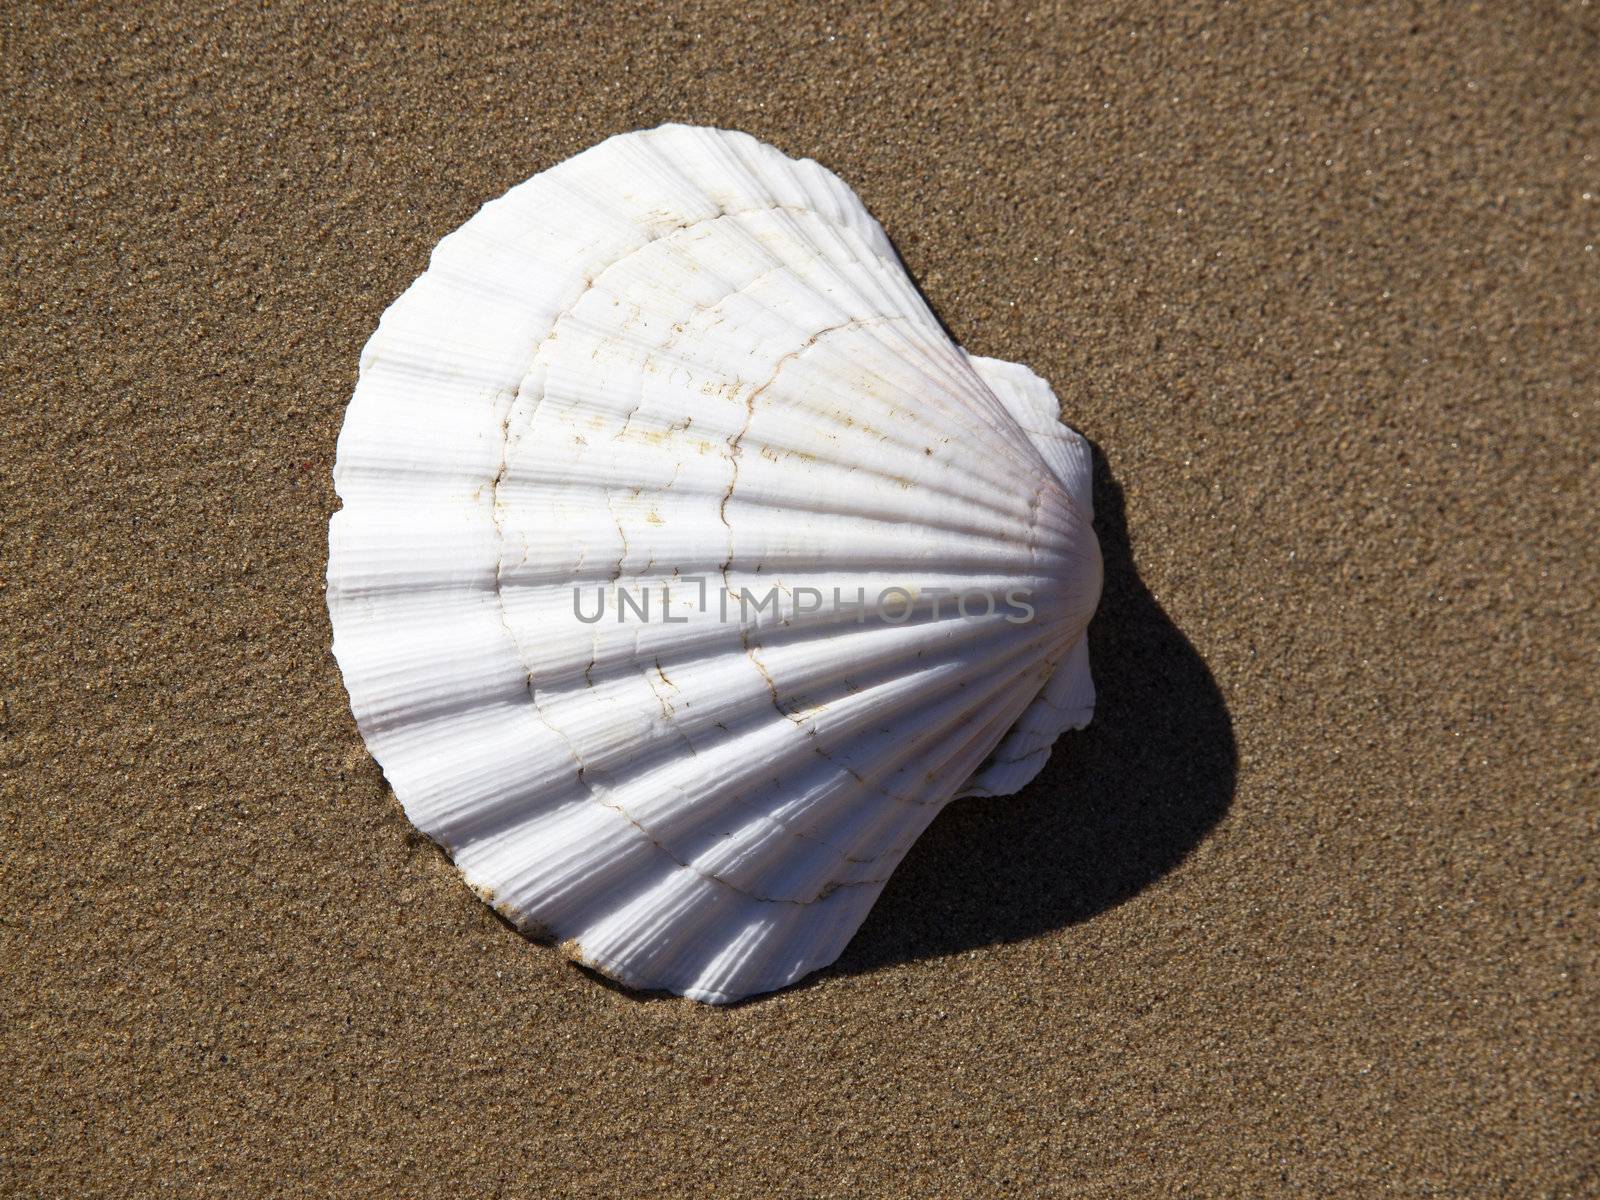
x=683, y=367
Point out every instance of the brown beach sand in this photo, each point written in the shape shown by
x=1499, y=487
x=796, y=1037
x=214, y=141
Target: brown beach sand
x=1311, y=909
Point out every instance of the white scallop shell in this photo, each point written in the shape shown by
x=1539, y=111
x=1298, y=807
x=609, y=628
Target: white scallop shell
x=683, y=355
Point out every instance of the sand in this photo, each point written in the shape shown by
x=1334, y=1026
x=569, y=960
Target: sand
x=1309, y=910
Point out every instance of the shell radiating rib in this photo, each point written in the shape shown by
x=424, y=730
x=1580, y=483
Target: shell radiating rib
x=682, y=369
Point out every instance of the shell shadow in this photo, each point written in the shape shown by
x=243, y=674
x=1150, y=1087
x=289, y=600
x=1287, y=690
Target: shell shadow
x=1118, y=805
